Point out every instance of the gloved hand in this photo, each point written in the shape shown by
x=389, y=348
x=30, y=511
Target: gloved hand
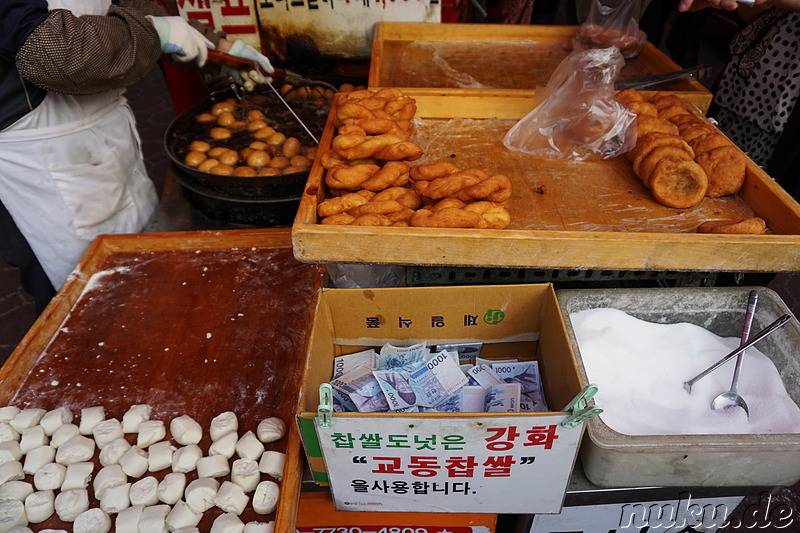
x=239, y=49
x=180, y=40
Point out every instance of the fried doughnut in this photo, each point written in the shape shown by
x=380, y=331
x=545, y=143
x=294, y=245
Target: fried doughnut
x=368, y=176
x=432, y=171
x=644, y=108
x=629, y=96
x=377, y=207
x=254, y=125
x=204, y=118
x=244, y=172
x=225, y=118
x=449, y=217
x=495, y=215
x=207, y=164
x=748, y=226
x=693, y=131
x=406, y=197
x=219, y=134
x=402, y=216
x=378, y=126
x=255, y=114
x=661, y=153
x=678, y=184
x=726, y=167
x=300, y=161
x=229, y=157
x=668, y=112
x=495, y=188
x=645, y=124
x=291, y=147
x=339, y=219
x=222, y=170
x=663, y=100
x=194, y=158
x=706, y=143
x=199, y=146
x=258, y=159
x=263, y=133
x=341, y=204
x=386, y=147
x=681, y=118
x=640, y=142
x=449, y=185
x=649, y=143
x=371, y=220
x=217, y=151
x=222, y=107
x=269, y=171
x=279, y=161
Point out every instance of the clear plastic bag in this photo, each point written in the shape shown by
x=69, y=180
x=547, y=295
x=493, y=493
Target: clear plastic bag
x=578, y=117
x=612, y=23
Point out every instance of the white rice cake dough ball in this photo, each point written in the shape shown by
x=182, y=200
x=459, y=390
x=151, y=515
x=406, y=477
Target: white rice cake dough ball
x=11, y=471
x=78, y=476
x=49, y=476
x=107, y=477
x=12, y=514
x=91, y=416
x=10, y=451
x=134, y=462
x=7, y=433
x=128, y=519
x=227, y=523
x=71, y=503
x=265, y=499
x=78, y=449
x=31, y=438
x=249, y=447
x=231, y=498
x=187, y=530
x=172, y=487
x=27, y=418
x=224, y=445
x=107, y=431
x=39, y=506
x=63, y=433
x=54, y=531
x=150, y=432
x=8, y=413
x=54, y=419
x=37, y=458
x=245, y=473
x=185, y=430
x=213, y=466
x=259, y=527
x=272, y=464
x=159, y=456
x=116, y=498
x=271, y=429
x=200, y=494
x=185, y=459
x=154, y=519
x=113, y=451
x=145, y=491
x=222, y=424
x=93, y=520
x=182, y=516
x=23, y=529
x=15, y=490
x=134, y=416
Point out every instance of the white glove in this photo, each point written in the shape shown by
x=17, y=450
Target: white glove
x=180, y=40
x=239, y=49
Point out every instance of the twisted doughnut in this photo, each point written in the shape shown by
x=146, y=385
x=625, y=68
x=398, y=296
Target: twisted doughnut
x=387, y=147
x=341, y=204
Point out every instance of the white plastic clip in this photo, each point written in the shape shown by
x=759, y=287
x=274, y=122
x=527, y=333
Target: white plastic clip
x=579, y=408
x=325, y=407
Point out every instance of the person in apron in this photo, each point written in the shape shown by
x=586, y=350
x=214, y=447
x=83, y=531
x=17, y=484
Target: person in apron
x=71, y=165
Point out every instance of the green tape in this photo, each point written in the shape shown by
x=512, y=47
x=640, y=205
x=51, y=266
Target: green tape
x=310, y=439
x=320, y=477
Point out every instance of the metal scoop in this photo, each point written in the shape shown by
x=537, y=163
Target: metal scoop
x=732, y=398
x=761, y=334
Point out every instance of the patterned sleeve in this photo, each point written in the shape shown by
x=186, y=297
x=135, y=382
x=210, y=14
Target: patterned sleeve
x=89, y=54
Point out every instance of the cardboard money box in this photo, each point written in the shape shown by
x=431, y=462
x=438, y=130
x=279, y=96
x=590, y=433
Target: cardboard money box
x=499, y=462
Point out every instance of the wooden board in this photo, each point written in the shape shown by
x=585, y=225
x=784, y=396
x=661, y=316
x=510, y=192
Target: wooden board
x=493, y=58
x=193, y=323
x=565, y=214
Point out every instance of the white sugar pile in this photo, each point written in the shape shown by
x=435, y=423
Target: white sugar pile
x=640, y=368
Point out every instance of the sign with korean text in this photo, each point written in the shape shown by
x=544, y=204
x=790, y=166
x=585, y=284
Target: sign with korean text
x=342, y=28
x=237, y=18
x=487, y=464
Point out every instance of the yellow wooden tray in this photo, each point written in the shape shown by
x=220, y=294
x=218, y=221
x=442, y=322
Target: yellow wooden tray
x=489, y=58
x=565, y=214
x=193, y=323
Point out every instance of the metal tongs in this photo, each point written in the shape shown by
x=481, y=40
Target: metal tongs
x=287, y=76
x=654, y=80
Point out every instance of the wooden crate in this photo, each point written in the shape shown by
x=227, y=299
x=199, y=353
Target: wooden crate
x=565, y=214
x=490, y=58
x=193, y=323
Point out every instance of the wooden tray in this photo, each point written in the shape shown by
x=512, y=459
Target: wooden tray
x=565, y=214
x=493, y=58
x=193, y=323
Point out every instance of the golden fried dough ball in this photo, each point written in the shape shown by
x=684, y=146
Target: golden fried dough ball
x=255, y=114
x=220, y=134
x=300, y=161
x=225, y=118
x=200, y=146
x=237, y=126
x=258, y=145
x=263, y=133
x=207, y=164
x=254, y=125
x=269, y=171
x=245, y=172
x=274, y=143
x=229, y=157
x=291, y=147
x=292, y=169
x=222, y=170
x=279, y=161
x=205, y=118
x=194, y=158
x=245, y=152
x=217, y=151
x=258, y=159
x=222, y=107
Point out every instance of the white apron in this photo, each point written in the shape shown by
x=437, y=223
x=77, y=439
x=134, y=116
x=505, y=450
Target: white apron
x=72, y=169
